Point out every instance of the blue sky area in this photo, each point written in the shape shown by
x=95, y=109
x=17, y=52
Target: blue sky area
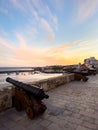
x=47, y=32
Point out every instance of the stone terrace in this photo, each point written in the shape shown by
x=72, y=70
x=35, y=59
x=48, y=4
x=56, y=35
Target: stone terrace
x=73, y=106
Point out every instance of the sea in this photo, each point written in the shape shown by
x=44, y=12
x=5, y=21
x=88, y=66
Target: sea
x=25, y=77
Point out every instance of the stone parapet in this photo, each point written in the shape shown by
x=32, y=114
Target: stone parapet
x=5, y=98
x=53, y=82
x=7, y=93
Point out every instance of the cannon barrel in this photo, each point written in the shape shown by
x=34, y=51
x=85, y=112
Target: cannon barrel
x=31, y=89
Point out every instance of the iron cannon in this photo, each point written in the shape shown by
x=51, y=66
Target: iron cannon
x=28, y=97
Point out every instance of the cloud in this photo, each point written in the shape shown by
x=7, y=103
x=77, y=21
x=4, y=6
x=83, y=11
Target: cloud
x=57, y=4
x=25, y=55
x=35, y=11
x=18, y=4
x=4, y=43
x=36, y=8
x=21, y=39
x=48, y=29
x=83, y=49
x=43, y=8
x=72, y=53
x=26, y=7
x=32, y=31
x=52, y=16
x=22, y=55
x=86, y=9
x=61, y=49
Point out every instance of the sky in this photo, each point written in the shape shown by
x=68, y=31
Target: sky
x=47, y=32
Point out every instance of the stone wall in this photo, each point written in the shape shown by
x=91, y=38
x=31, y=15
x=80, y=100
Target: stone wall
x=5, y=98
x=53, y=82
x=7, y=93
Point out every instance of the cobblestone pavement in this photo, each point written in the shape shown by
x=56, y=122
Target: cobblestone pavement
x=73, y=106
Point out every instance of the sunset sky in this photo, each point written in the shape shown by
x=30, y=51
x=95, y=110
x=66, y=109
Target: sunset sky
x=47, y=32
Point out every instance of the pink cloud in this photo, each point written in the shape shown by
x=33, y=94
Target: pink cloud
x=52, y=16
x=22, y=41
x=4, y=43
x=48, y=29
x=43, y=8
x=58, y=4
x=86, y=9
x=32, y=31
x=26, y=7
x=18, y=4
x=59, y=49
x=25, y=55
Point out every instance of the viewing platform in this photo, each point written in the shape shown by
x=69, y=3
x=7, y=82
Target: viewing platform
x=72, y=106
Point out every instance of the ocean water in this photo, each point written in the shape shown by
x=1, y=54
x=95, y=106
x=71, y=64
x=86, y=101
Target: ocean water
x=14, y=68
x=25, y=77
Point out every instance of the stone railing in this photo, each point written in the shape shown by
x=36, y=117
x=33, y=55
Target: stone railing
x=7, y=93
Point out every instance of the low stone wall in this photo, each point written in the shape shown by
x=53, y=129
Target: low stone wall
x=5, y=98
x=7, y=93
x=53, y=82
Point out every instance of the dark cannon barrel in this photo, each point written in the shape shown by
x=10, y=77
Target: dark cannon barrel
x=31, y=89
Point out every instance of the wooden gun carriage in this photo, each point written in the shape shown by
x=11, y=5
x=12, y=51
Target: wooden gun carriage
x=28, y=98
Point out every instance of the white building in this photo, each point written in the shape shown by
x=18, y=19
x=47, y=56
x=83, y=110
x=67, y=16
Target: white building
x=91, y=61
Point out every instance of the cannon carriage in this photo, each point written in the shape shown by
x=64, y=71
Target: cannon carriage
x=28, y=98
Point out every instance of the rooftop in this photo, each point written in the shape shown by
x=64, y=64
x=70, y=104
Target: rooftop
x=73, y=106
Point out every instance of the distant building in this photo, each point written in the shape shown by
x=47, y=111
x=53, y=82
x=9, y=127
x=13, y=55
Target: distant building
x=91, y=61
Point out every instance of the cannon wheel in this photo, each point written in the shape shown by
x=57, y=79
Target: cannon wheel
x=30, y=112
x=18, y=105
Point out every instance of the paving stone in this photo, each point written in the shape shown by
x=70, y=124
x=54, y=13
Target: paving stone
x=96, y=121
x=67, y=113
x=82, y=128
x=18, y=127
x=89, y=125
x=36, y=127
x=54, y=126
x=71, y=126
x=74, y=120
x=9, y=124
x=3, y=119
x=3, y=128
x=45, y=123
x=88, y=119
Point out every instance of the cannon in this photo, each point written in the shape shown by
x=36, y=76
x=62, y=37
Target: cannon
x=92, y=71
x=28, y=98
x=80, y=75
